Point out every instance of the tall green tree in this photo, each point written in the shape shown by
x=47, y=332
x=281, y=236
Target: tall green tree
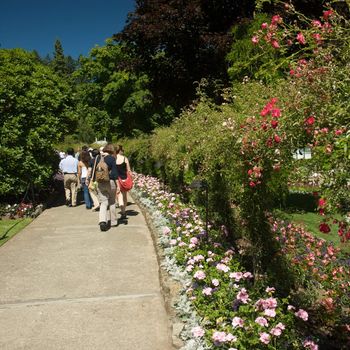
x=59, y=61
x=34, y=115
x=114, y=100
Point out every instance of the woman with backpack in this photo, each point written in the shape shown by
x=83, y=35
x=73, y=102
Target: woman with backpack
x=104, y=172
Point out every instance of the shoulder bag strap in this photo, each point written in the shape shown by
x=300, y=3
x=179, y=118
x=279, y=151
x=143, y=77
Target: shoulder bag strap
x=93, y=171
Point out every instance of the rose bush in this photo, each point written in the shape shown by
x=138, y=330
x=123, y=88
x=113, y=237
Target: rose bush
x=233, y=308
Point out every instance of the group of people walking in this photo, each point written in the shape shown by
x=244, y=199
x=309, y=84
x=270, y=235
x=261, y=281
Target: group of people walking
x=102, y=175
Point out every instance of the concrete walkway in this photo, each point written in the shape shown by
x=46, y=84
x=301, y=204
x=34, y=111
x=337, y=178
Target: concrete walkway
x=66, y=285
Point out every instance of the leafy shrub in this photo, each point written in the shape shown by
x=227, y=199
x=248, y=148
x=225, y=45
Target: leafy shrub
x=33, y=116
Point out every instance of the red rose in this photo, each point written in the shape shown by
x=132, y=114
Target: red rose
x=310, y=120
x=274, y=124
x=321, y=202
x=277, y=139
x=324, y=228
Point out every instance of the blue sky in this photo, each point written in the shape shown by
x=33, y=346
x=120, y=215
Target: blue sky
x=78, y=24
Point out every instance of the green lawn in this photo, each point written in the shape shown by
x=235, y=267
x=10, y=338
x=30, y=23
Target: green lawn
x=311, y=221
x=8, y=228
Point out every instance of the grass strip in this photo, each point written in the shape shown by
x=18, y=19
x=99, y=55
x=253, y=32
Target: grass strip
x=10, y=227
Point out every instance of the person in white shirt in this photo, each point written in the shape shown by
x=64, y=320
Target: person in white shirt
x=69, y=168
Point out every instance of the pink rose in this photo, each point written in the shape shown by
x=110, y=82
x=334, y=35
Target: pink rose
x=310, y=120
x=301, y=38
x=255, y=39
x=275, y=44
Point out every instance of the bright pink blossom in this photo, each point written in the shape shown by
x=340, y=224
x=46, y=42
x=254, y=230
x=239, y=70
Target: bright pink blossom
x=301, y=38
x=275, y=44
x=327, y=14
x=255, y=39
x=316, y=24
x=310, y=120
x=276, y=19
x=322, y=202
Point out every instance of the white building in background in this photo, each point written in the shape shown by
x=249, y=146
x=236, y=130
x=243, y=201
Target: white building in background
x=302, y=153
x=101, y=142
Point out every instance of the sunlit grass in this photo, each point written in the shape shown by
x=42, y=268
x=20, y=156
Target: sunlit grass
x=311, y=222
x=8, y=228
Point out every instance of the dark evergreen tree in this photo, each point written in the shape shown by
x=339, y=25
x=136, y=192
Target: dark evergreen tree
x=59, y=62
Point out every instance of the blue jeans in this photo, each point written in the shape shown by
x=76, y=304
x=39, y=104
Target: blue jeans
x=87, y=198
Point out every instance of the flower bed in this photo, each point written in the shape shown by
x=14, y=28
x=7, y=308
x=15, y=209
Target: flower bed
x=224, y=306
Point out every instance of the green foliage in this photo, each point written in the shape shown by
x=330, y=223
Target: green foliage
x=247, y=60
x=117, y=101
x=58, y=62
x=33, y=115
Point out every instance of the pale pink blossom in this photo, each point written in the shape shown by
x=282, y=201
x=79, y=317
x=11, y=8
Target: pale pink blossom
x=230, y=338
x=270, y=289
x=302, y=314
x=198, y=258
x=262, y=321
x=265, y=337
x=248, y=275
x=207, y=291
x=276, y=331
x=270, y=312
x=236, y=275
x=237, y=322
x=194, y=240
x=243, y=296
x=199, y=275
x=189, y=268
x=198, y=332
x=215, y=282
x=222, y=267
x=219, y=337
x=309, y=344
x=281, y=326
x=166, y=230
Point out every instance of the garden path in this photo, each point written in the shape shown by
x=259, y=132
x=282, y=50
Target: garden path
x=66, y=285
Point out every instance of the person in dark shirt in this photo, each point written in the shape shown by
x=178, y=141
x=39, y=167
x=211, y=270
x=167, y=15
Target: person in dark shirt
x=123, y=167
x=106, y=191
